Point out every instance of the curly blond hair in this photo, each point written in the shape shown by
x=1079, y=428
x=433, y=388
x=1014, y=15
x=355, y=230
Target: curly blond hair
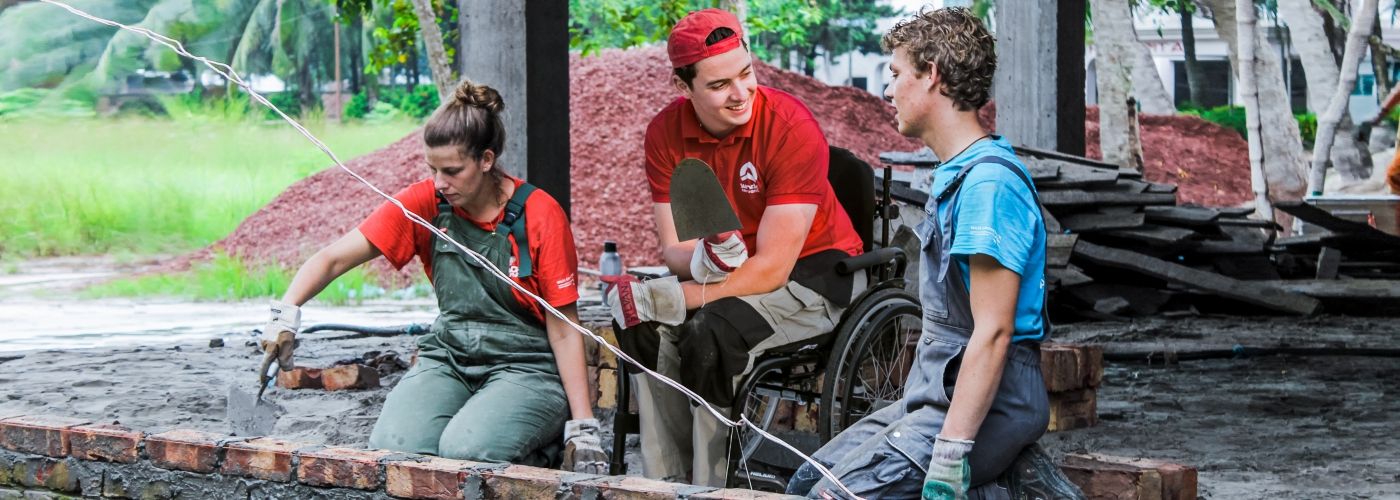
x=955, y=43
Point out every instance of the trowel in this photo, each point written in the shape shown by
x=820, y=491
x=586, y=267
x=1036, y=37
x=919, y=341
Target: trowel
x=698, y=204
x=247, y=413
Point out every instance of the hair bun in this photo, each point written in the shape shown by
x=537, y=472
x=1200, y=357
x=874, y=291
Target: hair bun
x=481, y=96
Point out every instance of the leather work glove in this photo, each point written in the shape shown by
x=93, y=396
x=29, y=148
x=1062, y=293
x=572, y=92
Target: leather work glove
x=716, y=256
x=634, y=301
x=279, y=336
x=949, y=476
x=583, y=449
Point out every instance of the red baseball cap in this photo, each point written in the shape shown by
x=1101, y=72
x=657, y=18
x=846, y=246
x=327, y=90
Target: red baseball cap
x=686, y=46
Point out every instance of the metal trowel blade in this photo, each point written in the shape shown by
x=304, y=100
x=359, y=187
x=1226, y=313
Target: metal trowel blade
x=698, y=204
x=248, y=415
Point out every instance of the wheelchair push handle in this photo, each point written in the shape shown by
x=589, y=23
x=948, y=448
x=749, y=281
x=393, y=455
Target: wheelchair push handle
x=873, y=258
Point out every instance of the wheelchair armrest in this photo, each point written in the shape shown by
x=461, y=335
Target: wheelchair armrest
x=850, y=265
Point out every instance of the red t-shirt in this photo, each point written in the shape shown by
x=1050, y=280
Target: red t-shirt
x=778, y=158
x=551, y=249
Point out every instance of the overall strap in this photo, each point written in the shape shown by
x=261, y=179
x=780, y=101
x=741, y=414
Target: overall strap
x=513, y=222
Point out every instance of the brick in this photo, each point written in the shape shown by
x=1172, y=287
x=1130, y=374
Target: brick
x=1104, y=477
x=185, y=449
x=739, y=494
x=47, y=473
x=606, y=358
x=300, y=378
x=1067, y=367
x=262, y=458
x=520, y=481
x=607, y=388
x=427, y=477
x=1073, y=410
x=106, y=442
x=633, y=488
x=342, y=468
x=38, y=434
x=346, y=377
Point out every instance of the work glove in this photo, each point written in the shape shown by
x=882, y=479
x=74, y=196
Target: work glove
x=716, y=256
x=583, y=449
x=634, y=301
x=949, y=476
x=279, y=336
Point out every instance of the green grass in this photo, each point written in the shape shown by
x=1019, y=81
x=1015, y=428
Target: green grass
x=147, y=186
x=228, y=278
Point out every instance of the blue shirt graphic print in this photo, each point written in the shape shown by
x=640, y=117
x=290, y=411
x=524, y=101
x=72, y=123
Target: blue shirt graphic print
x=998, y=216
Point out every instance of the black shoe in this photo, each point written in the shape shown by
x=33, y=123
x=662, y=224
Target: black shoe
x=1032, y=476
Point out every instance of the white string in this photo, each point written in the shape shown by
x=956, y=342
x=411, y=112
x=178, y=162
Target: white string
x=230, y=75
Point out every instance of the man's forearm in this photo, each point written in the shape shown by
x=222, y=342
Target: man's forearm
x=677, y=259
x=759, y=274
x=978, y=379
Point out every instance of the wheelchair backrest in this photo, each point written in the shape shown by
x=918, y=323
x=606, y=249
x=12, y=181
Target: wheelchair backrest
x=853, y=181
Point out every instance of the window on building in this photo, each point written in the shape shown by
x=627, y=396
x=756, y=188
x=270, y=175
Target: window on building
x=1216, y=86
x=1365, y=85
x=859, y=82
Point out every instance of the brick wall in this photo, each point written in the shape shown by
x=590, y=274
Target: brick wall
x=49, y=457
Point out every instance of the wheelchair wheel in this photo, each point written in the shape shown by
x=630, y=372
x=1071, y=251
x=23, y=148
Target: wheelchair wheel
x=870, y=359
x=763, y=390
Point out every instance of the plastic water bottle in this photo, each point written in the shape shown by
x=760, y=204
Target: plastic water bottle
x=609, y=264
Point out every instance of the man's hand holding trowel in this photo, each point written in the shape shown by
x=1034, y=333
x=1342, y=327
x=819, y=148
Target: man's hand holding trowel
x=701, y=212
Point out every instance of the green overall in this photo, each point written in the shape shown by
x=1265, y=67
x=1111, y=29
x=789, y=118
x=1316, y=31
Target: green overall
x=486, y=386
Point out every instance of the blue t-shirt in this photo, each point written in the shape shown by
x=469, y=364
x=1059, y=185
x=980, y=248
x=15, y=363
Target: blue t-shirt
x=998, y=216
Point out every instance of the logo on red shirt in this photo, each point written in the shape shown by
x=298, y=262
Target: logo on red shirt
x=748, y=178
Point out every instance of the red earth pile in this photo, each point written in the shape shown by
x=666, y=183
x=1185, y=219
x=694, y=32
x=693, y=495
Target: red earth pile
x=612, y=97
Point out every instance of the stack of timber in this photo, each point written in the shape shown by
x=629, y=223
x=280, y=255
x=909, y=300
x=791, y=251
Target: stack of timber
x=1121, y=246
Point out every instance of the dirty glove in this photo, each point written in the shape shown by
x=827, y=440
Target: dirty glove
x=949, y=476
x=279, y=336
x=583, y=449
x=634, y=302
x=716, y=256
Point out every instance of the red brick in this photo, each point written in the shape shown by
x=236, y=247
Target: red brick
x=632, y=488
x=38, y=434
x=300, y=378
x=1073, y=410
x=342, y=468
x=1067, y=367
x=1104, y=477
x=740, y=494
x=261, y=458
x=519, y=481
x=343, y=377
x=427, y=477
x=107, y=442
x=184, y=449
x=46, y=473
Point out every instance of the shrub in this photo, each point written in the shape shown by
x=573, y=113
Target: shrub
x=1307, y=128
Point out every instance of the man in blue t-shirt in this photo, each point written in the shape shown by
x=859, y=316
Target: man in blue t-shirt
x=982, y=288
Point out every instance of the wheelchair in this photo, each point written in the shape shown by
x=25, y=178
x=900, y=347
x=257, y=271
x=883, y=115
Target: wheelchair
x=852, y=371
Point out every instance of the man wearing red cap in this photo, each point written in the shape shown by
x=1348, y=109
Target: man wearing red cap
x=771, y=283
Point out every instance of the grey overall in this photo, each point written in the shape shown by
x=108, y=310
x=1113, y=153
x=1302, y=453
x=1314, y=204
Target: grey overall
x=885, y=454
x=486, y=386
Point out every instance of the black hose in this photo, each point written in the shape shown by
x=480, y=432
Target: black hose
x=370, y=331
x=1246, y=352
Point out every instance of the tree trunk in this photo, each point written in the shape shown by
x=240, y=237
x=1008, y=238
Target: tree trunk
x=740, y=8
x=1148, y=88
x=1113, y=39
x=1249, y=90
x=1379, y=63
x=1284, y=164
x=1194, y=77
x=437, y=56
x=1305, y=24
x=1362, y=10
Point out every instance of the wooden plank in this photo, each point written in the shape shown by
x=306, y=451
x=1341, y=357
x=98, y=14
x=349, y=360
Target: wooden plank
x=1040, y=173
x=1027, y=151
x=1321, y=218
x=1072, y=176
x=1058, y=248
x=1161, y=188
x=924, y=157
x=1231, y=247
x=1073, y=198
x=1087, y=222
x=1052, y=224
x=1127, y=186
x=1262, y=295
x=1327, y=260
x=1069, y=276
x=1157, y=235
x=1341, y=289
x=1182, y=216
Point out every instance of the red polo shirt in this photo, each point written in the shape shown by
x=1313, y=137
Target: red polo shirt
x=778, y=158
x=552, y=252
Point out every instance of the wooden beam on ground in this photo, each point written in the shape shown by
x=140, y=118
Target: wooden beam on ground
x=1316, y=216
x=1267, y=296
x=1163, y=236
x=1087, y=222
x=1182, y=216
x=1087, y=198
x=1058, y=248
x=1341, y=289
x=1069, y=276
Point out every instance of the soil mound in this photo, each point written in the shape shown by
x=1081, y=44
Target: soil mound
x=612, y=97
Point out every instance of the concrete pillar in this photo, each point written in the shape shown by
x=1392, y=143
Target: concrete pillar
x=521, y=48
x=1039, y=85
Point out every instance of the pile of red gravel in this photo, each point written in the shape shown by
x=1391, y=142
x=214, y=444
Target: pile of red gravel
x=612, y=97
